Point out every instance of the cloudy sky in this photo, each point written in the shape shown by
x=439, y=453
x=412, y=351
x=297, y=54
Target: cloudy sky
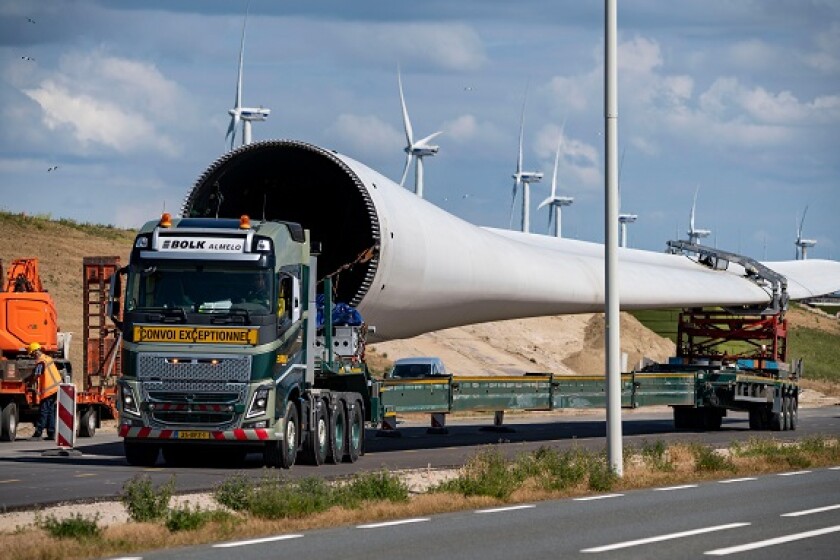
x=112, y=109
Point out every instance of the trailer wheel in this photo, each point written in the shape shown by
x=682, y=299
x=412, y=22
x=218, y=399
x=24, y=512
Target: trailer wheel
x=318, y=445
x=338, y=434
x=87, y=423
x=141, y=454
x=793, y=413
x=283, y=453
x=355, y=433
x=777, y=419
x=9, y=422
x=786, y=413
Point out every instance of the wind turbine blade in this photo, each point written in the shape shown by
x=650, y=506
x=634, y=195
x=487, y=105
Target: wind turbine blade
x=409, y=133
x=801, y=223
x=550, y=217
x=693, y=208
x=405, y=169
x=521, y=136
x=231, y=131
x=238, y=103
x=429, y=138
x=513, y=202
x=557, y=161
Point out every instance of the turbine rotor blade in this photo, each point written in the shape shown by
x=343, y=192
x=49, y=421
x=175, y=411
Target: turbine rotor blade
x=429, y=138
x=405, y=169
x=409, y=133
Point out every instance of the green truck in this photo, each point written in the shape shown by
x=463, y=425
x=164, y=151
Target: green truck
x=223, y=354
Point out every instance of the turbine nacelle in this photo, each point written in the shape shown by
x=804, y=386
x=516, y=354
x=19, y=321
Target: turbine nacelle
x=260, y=114
x=557, y=201
x=530, y=176
x=630, y=218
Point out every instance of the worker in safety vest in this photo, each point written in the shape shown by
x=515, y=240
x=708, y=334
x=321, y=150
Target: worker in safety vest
x=48, y=378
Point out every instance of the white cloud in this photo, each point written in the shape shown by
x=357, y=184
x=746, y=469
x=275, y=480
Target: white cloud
x=827, y=58
x=438, y=45
x=639, y=56
x=367, y=134
x=109, y=101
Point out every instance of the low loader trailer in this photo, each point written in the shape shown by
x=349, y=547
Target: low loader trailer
x=223, y=354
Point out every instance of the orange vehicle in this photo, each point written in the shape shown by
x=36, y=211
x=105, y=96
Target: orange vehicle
x=28, y=314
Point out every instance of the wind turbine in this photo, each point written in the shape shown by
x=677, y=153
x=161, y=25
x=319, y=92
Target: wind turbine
x=623, y=219
x=556, y=203
x=415, y=150
x=239, y=113
x=803, y=244
x=695, y=234
x=525, y=178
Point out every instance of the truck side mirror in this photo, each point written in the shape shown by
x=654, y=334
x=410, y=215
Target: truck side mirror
x=295, y=300
x=112, y=308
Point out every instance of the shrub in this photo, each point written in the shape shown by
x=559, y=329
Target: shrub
x=553, y=470
x=708, y=460
x=185, y=518
x=372, y=486
x=656, y=455
x=602, y=477
x=235, y=492
x=277, y=499
x=75, y=527
x=143, y=501
x=486, y=474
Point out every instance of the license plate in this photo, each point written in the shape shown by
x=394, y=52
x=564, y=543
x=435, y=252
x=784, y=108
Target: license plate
x=193, y=435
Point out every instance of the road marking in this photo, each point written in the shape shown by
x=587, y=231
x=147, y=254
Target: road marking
x=731, y=480
x=84, y=474
x=392, y=523
x=794, y=473
x=681, y=487
x=771, y=542
x=834, y=469
x=810, y=511
x=256, y=541
x=671, y=536
x=509, y=508
x=600, y=497
x=9, y=481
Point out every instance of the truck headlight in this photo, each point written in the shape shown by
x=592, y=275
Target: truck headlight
x=259, y=402
x=129, y=401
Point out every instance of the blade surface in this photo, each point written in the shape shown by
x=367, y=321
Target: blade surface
x=409, y=133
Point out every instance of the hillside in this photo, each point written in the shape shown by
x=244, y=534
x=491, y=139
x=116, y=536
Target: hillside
x=563, y=344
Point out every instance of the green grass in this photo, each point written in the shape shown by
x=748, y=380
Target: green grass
x=819, y=350
x=46, y=222
x=74, y=527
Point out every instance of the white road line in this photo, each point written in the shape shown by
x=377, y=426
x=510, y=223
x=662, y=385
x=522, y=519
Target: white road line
x=599, y=497
x=256, y=541
x=810, y=511
x=681, y=534
x=834, y=469
x=9, y=481
x=682, y=487
x=392, y=523
x=794, y=473
x=772, y=542
x=509, y=508
x=731, y=480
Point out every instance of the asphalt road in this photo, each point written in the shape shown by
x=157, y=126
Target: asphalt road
x=786, y=516
x=29, y=478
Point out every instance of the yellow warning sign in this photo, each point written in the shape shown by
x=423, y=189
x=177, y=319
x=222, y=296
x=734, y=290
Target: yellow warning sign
x=195, y=335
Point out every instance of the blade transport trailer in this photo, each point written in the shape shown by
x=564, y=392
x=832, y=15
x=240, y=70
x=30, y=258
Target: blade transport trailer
x=223, y=353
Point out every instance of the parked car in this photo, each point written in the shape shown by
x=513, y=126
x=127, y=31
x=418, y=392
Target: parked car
x=409, y=368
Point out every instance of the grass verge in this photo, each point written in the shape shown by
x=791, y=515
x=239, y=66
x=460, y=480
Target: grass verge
x=274, y=505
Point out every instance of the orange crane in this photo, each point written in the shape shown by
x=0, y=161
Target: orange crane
x=28, y=314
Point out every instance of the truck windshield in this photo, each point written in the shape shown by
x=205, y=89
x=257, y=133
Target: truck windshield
x=201, y=289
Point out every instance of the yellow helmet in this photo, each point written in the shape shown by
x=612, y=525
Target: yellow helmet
x=33, y=347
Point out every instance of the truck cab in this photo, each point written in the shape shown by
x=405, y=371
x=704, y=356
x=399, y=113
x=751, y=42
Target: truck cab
x=213, y=336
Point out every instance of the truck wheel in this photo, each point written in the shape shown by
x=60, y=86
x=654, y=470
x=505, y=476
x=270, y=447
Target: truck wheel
x=777, y=419
x=786, y=412
x=141, y=454
x=9, y=422
x=282, y=454
x=87, y=423
x=355, y=433
x=318, y=445
x=338, y=434
x=793, y=413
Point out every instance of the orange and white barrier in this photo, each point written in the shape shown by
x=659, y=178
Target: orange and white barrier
x=65, y=417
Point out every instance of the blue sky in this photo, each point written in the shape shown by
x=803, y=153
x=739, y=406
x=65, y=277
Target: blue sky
x=741, y=99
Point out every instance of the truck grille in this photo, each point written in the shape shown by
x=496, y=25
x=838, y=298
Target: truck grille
x=185, y=390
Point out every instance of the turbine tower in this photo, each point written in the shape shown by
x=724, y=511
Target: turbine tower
x=803, y=244
x=415, y=150
x=623, y=220
x=694, y=234
x=239, y=113
x=525, y=178
x=556, y=203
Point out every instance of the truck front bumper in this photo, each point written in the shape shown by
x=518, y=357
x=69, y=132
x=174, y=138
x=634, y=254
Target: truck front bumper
x=198, y=436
